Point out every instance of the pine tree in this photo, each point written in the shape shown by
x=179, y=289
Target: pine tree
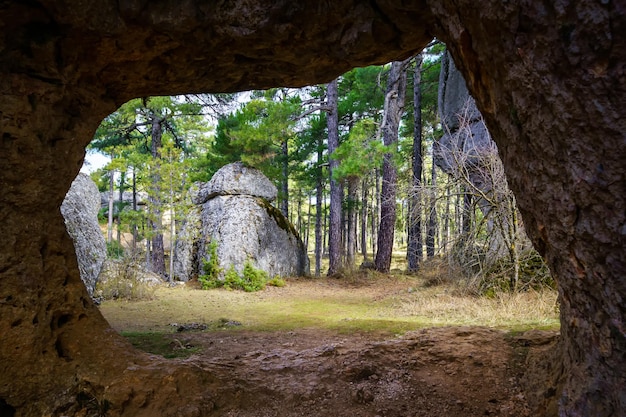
x=394, y=106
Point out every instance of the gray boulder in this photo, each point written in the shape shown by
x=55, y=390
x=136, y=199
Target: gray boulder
x=454, y=99
x=467, y=150
x=236, y=179
x=466, y=145
x=233, y=210
x=80, y=211
x=466, y=138
x=186, y=264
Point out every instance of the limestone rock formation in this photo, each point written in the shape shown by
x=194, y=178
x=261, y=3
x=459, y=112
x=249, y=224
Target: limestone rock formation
x=548, y=78
x=127, y=198
x=465, y=137
x=80, y=211
x=236, y=179
x=467, y=152
x=235, y=212
x=186, y=264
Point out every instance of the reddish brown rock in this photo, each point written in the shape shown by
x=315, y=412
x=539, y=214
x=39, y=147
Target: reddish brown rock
x=548, y=77
x=550, y=81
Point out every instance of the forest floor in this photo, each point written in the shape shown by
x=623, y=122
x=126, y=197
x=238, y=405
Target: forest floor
x=367, y=345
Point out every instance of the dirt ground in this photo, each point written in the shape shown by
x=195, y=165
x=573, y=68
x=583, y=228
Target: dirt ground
x=460, y=371
x=465, y=371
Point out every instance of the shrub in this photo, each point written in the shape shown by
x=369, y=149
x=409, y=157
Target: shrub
x=231, y=278
x=122, y=279
x=253, y=279
x=276, y=282
x=533, y=274
x=210, y=278
x=115, y=250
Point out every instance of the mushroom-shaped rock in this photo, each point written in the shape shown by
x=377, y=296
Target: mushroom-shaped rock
x=236, y=179
x=233, y=210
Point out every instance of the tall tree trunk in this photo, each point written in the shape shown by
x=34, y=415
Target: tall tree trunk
x=284, y=202
x=297, y=222
x=334, y=238
x=364, y=208
x=446, y=218
x=145, y=227
x=512, y=241
x=325, y=211
x=173, y=229
x=458, y=210
x=468, y=212
x=344, y=224
x=394, y=105
x=319, y=197
x=135, y=233
x=120, y=205
x=431, y=233
x=111, y=198
x=157, y=261
x=414, y=247
x=307, y=230
x=353, y=185
x=173, y=239
x=375, y=211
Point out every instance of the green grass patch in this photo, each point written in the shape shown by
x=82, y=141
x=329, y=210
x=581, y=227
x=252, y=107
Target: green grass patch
x=159, y=343
x=372, y=304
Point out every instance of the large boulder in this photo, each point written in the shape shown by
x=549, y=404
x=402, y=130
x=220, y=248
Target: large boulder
x=466, y=140
x=234, y=210
x=80, y=211
x=467, y=152
x=236, y=179
x=186, y=264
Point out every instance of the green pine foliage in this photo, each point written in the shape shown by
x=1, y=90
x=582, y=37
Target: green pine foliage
x=115, y=250
x=211, y=277
x=283, y=133
x=251, y=280
x=255, y=133
x=277, y=282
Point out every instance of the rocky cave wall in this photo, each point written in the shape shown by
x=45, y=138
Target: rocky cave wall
x=549, y=78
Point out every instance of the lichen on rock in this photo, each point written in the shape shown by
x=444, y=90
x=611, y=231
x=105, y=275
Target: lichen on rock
x=80, y=211
x=234, y=211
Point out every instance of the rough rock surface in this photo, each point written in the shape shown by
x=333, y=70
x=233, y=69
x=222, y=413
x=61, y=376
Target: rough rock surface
x=548, y=77
x=236, y=179
x=249, y=228
x=465, y=137
x=235, y=213
x=186, y=263
x=467, y=151
x=80, y=211
x=127, y=198
x=466, y=141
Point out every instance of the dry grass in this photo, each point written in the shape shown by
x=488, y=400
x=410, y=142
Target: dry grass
x=444, y=306
x=363, y=302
